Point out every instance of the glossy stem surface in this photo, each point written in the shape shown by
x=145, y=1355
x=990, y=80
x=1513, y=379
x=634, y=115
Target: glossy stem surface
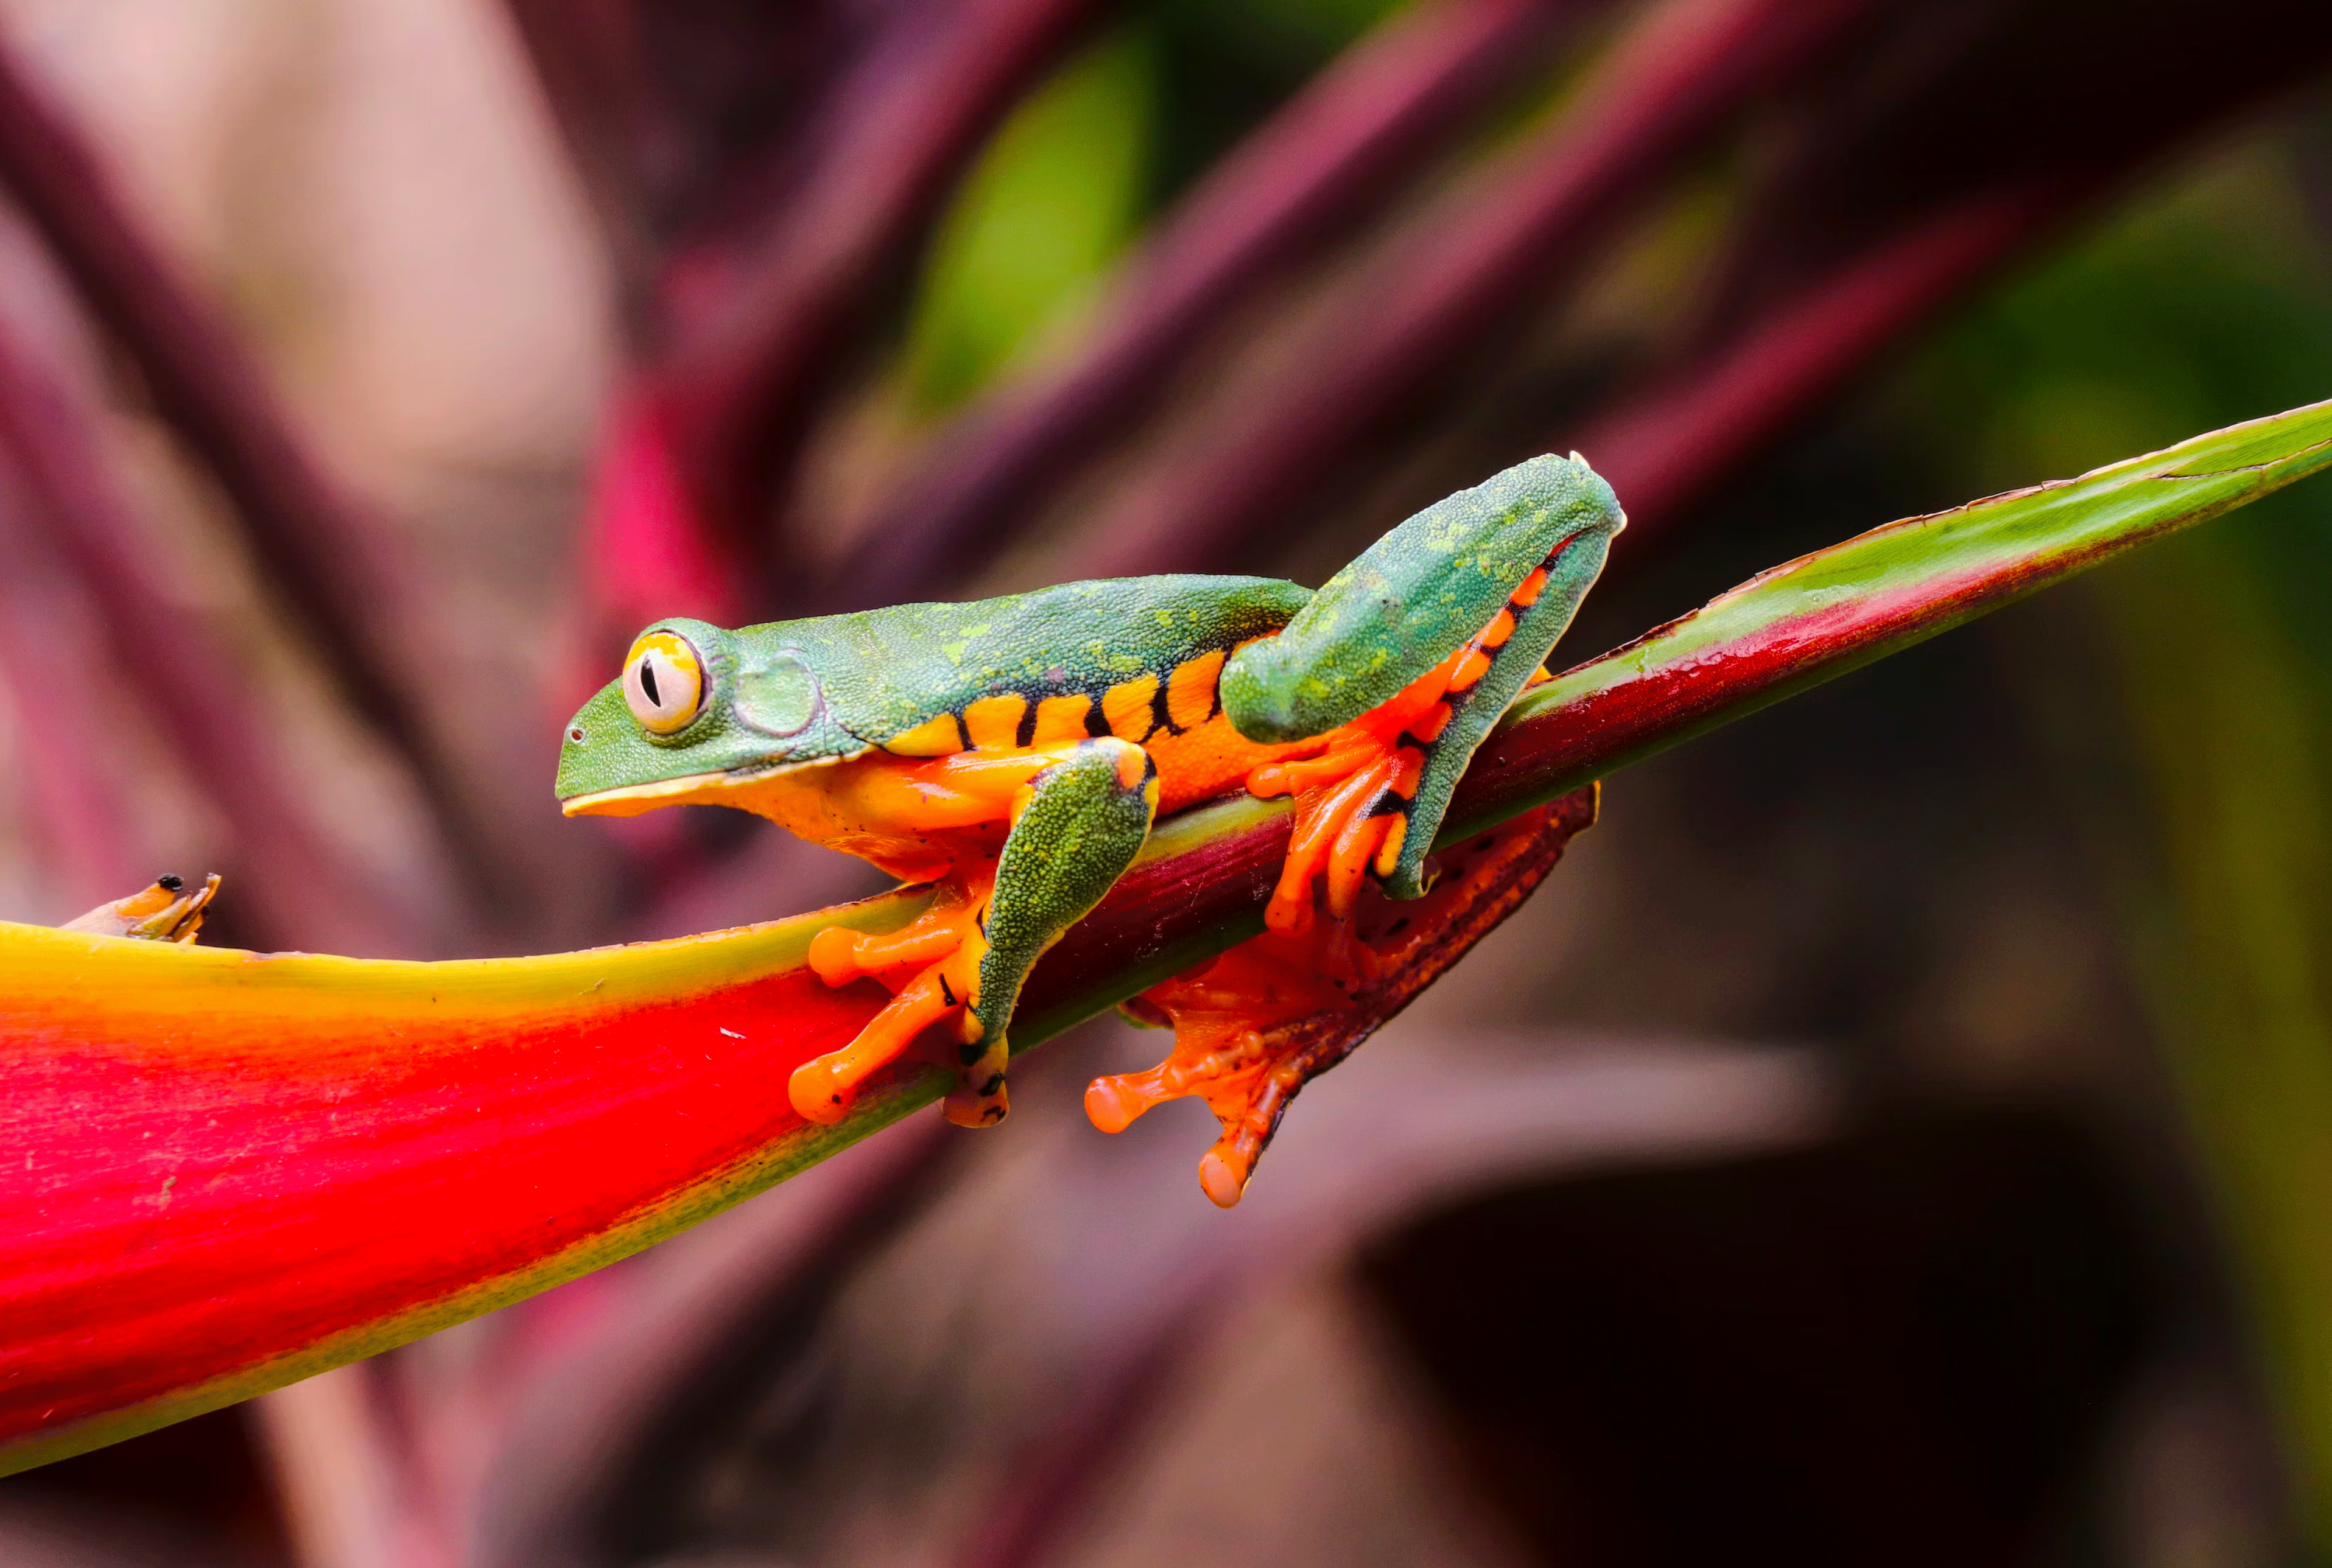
x=229, y=1170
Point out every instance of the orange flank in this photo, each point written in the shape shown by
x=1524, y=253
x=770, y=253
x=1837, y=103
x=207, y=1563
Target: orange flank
x=1061, y=719
x=1191, y=690
x=993, y=723
x=1129, y=708
x=1212, y=759
x=936, y=736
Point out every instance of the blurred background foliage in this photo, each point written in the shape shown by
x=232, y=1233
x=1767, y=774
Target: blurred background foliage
x=2205, y=303
x=1059, y=192
x=1899, y=1132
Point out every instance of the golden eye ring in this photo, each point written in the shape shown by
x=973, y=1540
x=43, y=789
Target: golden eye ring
x=664, y=682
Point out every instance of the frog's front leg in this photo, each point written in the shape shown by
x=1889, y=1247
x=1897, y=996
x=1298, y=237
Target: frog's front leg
x=1078, y=814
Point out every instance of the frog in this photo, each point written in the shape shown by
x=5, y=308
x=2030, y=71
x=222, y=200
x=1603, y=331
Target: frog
x=1015, y=753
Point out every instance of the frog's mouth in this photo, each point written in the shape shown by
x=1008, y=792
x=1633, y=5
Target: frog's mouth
x=630, y=800
x=719, y=788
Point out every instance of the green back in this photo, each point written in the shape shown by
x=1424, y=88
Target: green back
x=835, y=685
x=887, y=670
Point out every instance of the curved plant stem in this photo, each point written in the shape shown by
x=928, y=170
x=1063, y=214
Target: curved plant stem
x=239, y=1169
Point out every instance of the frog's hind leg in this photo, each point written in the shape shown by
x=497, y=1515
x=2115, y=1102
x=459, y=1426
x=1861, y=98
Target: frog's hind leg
x=1077, y=815
x=1076, y=826
x=1358, y=802
x=1401, y=664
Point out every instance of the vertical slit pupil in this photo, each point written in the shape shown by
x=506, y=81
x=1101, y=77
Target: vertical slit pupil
x=649, y=683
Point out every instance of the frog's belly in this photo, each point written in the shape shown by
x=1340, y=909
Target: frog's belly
x=891, y=812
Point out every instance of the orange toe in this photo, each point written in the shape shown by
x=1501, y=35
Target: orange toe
x=1113, y=1104
x=1254, y=1025
x=822, y=1090
x=1223, y=1180
x=834, y=955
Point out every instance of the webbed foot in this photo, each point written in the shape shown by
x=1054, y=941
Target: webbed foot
x=932, y=967
x=1353, y=796
x=1253, y=1026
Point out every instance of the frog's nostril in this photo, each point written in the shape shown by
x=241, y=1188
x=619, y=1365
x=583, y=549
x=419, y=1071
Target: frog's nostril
x=576, y=734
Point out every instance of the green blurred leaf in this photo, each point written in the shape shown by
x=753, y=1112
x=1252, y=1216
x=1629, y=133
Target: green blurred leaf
x=1052, y=201
x=1825, y=614
x=2209, y=303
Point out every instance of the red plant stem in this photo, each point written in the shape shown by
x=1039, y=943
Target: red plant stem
x=300, y=891
x=688, y=1300
x=1339, y=150
x=1516, y=235
x=739, y=386
x=1662, y=449
x=344, y=1155
x=304, y=537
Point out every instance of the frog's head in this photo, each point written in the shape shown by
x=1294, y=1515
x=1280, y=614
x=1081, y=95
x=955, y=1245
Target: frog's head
x=697, y=713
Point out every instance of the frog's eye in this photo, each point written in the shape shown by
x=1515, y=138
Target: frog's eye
x=664, y=682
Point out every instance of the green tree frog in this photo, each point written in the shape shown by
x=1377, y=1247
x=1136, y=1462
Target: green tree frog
x=1016, y=751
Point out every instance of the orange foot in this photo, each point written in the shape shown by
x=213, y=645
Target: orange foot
x=1232, y=1018
x=1353, y=790
x=1255, y=1025
x=930, y=965
x=1353, y=794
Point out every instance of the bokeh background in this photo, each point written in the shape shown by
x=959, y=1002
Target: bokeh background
x=1901, y=1132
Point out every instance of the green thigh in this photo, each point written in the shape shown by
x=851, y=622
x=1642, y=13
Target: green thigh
x=1082, y=827
x=1413, y=598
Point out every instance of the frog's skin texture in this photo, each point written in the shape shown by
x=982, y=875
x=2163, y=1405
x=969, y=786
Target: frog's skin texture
x=1016, y=750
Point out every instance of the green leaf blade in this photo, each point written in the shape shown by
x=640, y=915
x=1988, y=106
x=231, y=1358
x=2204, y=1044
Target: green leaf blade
x=1823, y=614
